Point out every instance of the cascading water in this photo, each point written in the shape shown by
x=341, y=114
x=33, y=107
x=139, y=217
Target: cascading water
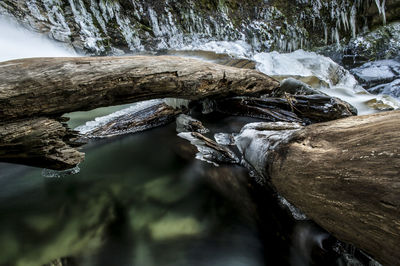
x=17, y=42
x=318, y=71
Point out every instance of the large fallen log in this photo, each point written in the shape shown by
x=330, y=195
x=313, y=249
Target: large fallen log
x=54, y=86
x=343, y=174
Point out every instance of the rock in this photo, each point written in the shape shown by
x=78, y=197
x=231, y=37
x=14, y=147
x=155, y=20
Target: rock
x=392, y=88
x=101, y=27
x=382, y=104
x=294, y=87
x=380, y=77
x=381, y=43
x=185, y=123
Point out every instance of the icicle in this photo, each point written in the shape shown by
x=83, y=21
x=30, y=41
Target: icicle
x=325, y=34
x=337, y=36
x=381, y=9
x=344, y=21
x=378, y=5
x=177, y=102
x=353, y=14
x=383, y=12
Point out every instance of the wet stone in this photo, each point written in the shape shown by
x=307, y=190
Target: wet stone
x=294, y=87
x=380, y=77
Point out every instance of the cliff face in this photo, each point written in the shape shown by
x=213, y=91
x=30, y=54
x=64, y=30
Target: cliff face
x=103, y=27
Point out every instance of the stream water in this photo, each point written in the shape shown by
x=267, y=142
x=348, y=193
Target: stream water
x=137, y=200
x=144, y=200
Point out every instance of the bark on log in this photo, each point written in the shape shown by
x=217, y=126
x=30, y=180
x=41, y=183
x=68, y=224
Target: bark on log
x=39, y=142
x=152, y=116
x=54, y=86
x=345, y=175
x=289, y=108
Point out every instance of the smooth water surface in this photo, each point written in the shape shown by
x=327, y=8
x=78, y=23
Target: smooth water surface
x=138, y=200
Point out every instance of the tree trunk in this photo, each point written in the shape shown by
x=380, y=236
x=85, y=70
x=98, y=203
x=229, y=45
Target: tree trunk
x=54, y=86
x=343, y=174
x=40, y=142
x=156, y=114
x=289, y=108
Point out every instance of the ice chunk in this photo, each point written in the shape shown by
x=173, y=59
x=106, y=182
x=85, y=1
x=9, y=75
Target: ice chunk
x=57, y=174
x=185, y=123
x=256, y=140
x=209, y=150
x=296, y=213
x=224, y=138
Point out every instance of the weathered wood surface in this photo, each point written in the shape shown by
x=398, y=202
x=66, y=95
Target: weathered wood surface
x=53, y=86
x=40, y=142
x=209, y=150
x=154, y=115
x=345, y=175
x=289, y=108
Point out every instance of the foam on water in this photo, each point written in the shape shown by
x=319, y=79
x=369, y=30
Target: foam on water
x=17, y=42
x=335, y=80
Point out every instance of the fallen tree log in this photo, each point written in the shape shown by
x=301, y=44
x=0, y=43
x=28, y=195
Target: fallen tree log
x=343, y=174
x=40, y=142
x=151, y=116
x=289, y=108
x=54, y=86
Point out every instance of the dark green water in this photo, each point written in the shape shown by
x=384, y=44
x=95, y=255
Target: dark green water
x=143, y=200
x=138, y=200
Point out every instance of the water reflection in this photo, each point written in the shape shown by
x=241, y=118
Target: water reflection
x=143, y=200
x=136, y=201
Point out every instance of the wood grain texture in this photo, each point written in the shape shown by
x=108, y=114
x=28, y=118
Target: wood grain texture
x=40, y=142
x=345, y=175
x=54, y=86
